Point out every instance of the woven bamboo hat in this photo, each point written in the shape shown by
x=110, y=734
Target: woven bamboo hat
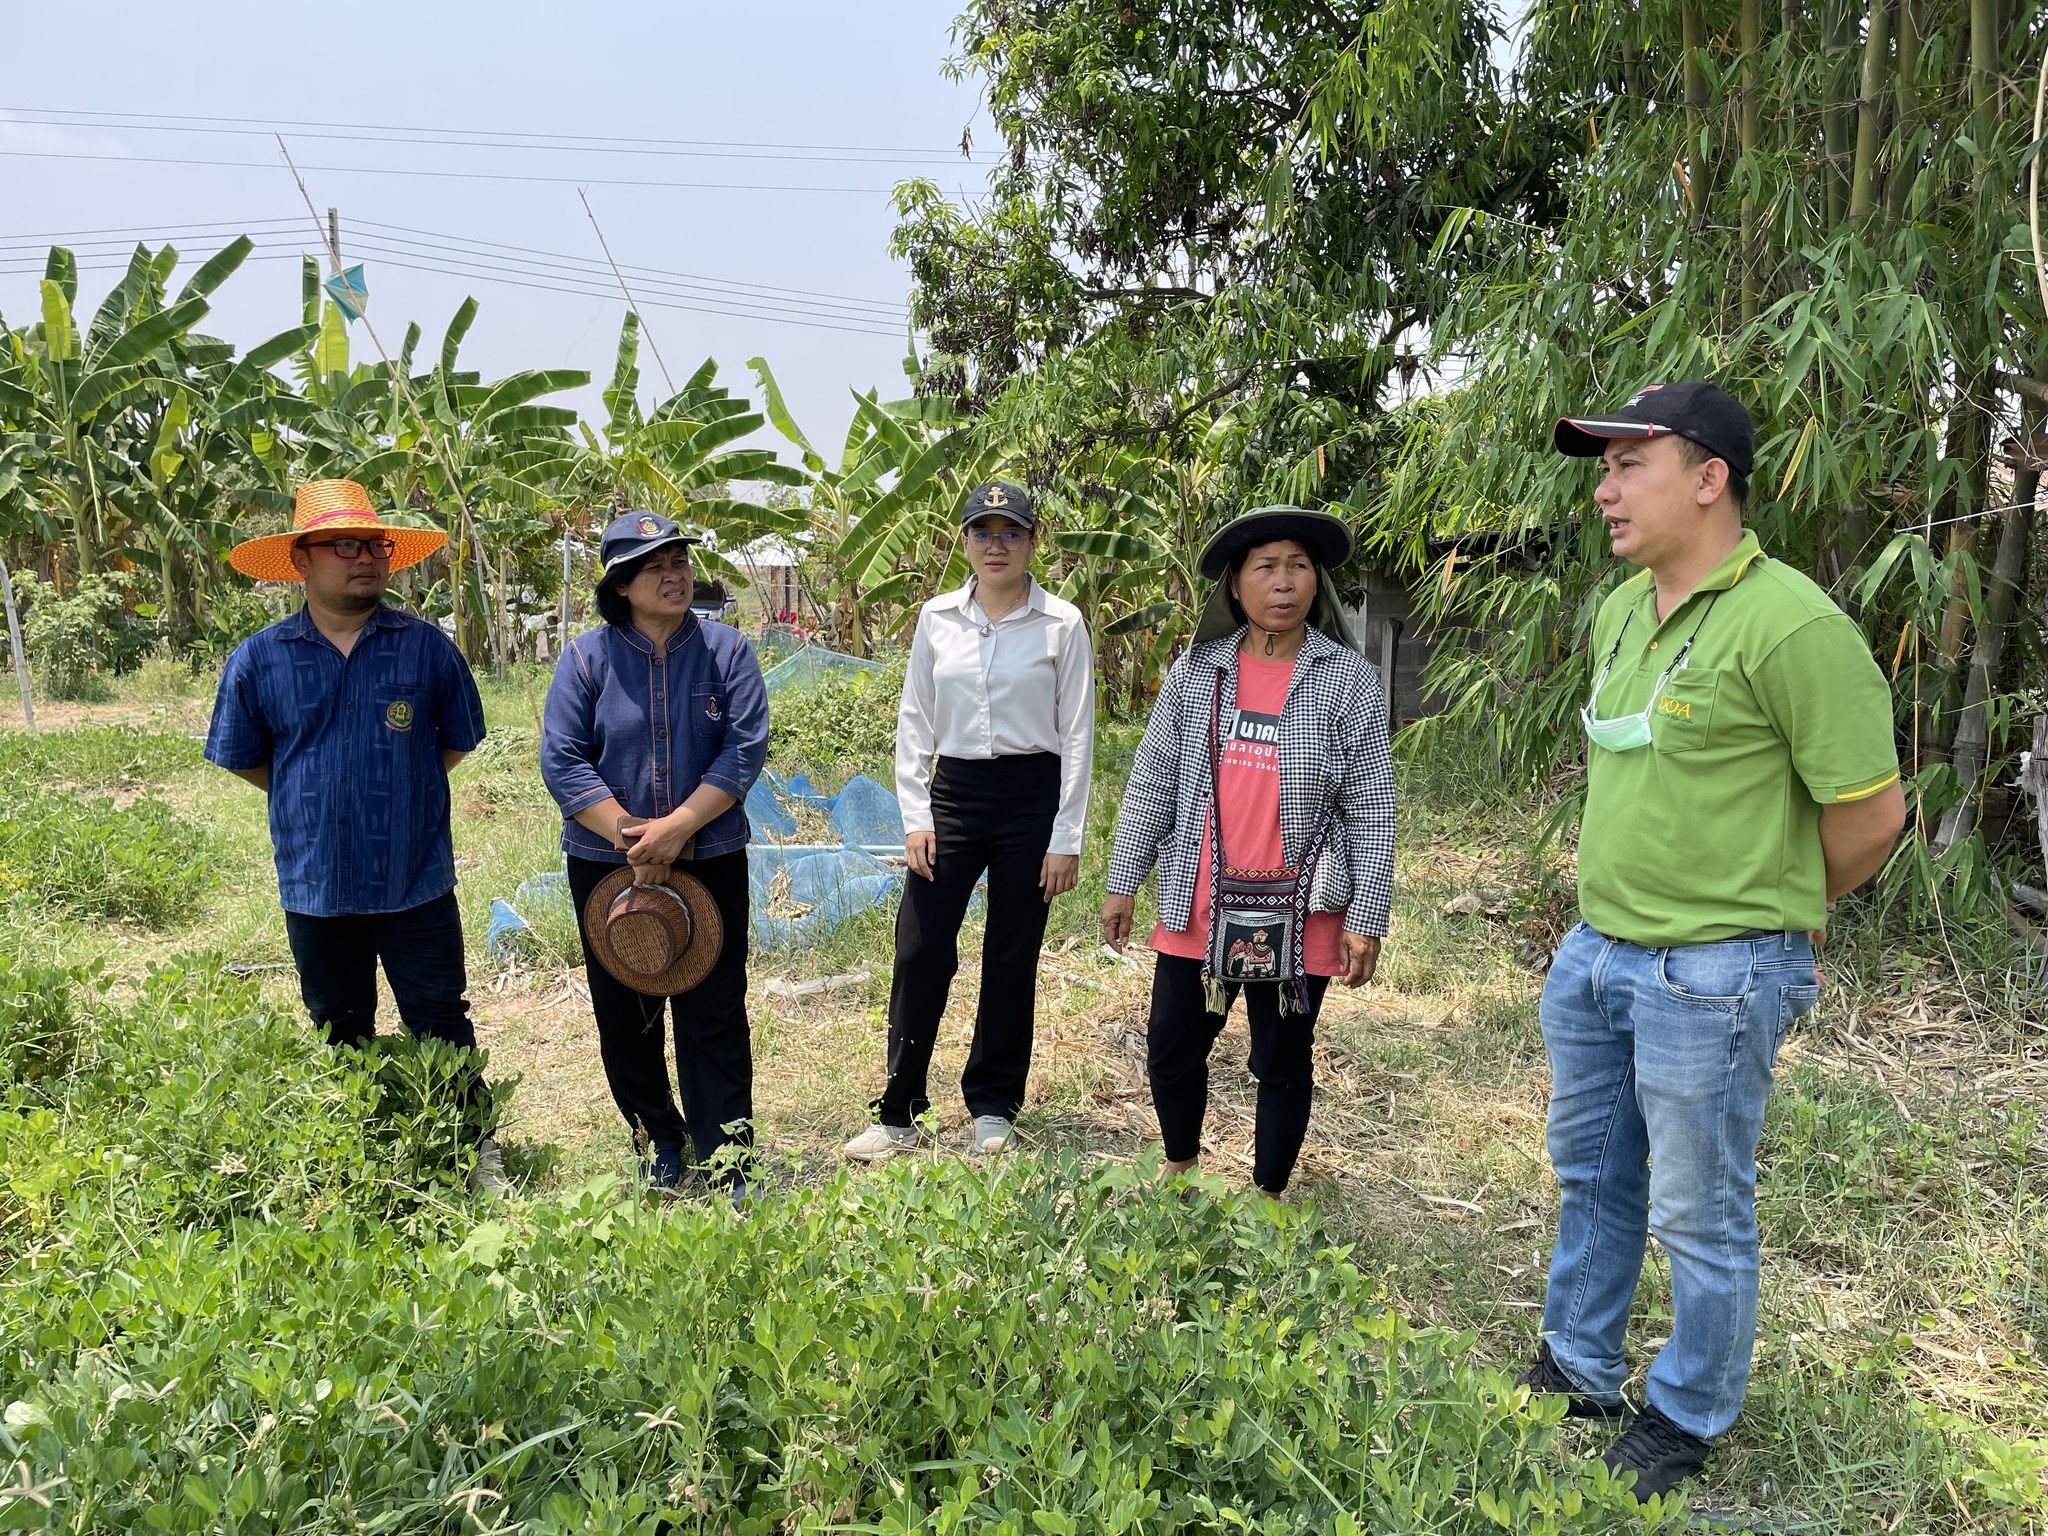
x=658, y=939
x=329, y=507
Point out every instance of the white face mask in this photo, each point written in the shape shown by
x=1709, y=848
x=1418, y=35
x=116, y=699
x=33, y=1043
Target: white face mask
x=1624, y=733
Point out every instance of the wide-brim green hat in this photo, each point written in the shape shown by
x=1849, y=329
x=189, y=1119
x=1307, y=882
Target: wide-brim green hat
x=1326, y=537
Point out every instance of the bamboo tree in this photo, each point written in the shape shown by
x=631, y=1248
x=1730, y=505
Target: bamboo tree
x=1904, y=162
x=1694, y=28
x=1749, y=136
x=1973, y=725
x=1836, y=117
x=1870, y=111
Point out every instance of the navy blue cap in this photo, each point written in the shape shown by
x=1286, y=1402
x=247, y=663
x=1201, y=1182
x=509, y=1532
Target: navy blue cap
x=999, y=498
x=1704, y=412
x=633, y=534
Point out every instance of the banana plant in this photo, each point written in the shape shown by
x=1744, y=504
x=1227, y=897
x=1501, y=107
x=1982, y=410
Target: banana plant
x=206, y=458
x=71, y=395
x=451, y=439
x=679, y=459
x=884, y=525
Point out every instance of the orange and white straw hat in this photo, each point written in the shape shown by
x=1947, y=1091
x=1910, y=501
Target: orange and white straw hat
x=330, y=507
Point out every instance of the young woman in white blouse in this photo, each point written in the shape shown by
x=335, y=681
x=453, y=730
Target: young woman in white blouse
x=995, y=743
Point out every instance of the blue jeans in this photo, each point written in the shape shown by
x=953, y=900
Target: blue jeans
x=1660, y=1062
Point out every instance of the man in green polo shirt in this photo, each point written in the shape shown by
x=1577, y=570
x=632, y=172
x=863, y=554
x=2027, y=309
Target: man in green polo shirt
x=1741, y=774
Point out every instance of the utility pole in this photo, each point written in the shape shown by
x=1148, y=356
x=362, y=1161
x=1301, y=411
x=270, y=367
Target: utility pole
x=334, y=234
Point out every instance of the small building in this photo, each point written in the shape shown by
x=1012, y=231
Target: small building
x=770, y=566
x=1397, y=644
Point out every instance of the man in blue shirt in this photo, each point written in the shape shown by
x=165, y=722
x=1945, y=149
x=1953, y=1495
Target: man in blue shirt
x=350, y=716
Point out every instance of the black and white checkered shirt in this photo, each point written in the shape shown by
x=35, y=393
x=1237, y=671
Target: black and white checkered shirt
x=1333, y=753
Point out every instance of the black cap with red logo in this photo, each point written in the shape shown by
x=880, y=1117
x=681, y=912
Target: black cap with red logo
x=1695, y=409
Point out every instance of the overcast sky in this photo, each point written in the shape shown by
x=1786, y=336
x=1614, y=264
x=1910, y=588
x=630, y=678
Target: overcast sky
x=730, y=88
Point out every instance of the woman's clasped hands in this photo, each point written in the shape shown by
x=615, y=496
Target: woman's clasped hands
x=651, y=847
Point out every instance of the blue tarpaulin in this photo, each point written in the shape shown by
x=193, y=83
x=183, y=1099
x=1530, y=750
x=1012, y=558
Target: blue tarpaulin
x=765, y=813
x=867, y=815
x=828, y=882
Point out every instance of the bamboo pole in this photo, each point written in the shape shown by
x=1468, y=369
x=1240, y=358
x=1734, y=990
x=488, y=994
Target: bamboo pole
x=1749, y=129
x=1905, y=167
x=1835, y=118
x=1694, y=27
x=1973, y=727
x=1870, y=111
x=28, y=710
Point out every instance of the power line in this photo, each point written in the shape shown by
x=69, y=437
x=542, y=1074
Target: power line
x=498, y=267
x=392, y=170
x=505, y=280
x=496, y=257
x=477, y=139
x=600, y=293
x=458, y=261
x=121, y=237
x=581, y=267
x=273, y=125
x=138, y=229
x=630, y=266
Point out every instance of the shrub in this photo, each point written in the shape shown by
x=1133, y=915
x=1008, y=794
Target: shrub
x=93, y=858
x=74, y=640
x=232, y=612
x=840, y=725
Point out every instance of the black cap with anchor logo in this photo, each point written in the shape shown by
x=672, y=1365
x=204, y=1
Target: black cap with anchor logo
x=999, y=498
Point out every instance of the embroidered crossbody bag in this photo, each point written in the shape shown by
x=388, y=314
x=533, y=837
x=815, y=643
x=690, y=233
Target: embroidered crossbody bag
x=1257, y=917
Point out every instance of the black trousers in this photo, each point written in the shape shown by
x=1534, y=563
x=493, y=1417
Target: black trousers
x=994, y=815
x=421, y=949
x=1178, y=1040
x=714, y=1047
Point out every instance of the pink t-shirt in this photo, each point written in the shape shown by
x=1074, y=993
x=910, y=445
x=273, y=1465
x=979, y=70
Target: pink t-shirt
x=1249, y=786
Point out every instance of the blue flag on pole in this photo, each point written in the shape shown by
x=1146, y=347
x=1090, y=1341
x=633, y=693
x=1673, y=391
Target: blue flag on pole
x=350, y=292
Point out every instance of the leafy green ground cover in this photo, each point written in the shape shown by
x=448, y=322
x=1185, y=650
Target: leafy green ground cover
x=242, y=1298
x=203, y=1218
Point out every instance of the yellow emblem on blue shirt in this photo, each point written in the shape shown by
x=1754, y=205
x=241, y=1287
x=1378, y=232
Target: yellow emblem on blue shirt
x=398, y=715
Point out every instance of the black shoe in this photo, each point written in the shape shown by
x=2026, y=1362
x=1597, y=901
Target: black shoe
x=665, y=1166
x=1547, y=1377
x=1659, y=1453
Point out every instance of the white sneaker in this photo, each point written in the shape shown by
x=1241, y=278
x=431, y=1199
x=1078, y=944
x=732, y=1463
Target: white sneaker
x=879, y=1143
x=992, y=1134
x=489, y=1176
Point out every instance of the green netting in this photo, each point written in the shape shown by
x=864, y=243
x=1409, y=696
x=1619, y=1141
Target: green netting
x=812, y=663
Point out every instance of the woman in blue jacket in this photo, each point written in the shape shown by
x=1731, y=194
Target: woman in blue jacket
x=660, y=714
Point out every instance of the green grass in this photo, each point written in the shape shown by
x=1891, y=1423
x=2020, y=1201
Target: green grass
x=1901, y=1377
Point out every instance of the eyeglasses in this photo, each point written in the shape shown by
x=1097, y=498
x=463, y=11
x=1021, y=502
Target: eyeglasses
x=983, y=537
x=349, y=549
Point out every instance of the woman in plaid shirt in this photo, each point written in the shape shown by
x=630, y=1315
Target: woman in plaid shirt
x=1264, y=793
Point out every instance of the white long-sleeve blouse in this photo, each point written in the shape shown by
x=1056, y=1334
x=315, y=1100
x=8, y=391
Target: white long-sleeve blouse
x=978, y=690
